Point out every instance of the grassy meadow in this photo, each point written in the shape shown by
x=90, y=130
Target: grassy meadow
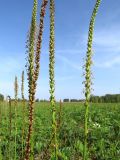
x=103, y=133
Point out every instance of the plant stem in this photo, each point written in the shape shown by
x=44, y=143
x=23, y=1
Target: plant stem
x=23, y=113
x=51, y=74
x=16, y=97
x=31, y=79
x=88, y=80
x=10, y=126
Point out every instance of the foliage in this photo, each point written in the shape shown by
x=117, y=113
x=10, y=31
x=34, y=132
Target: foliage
x=108, y=98
x=1, y=97
x=103, y=135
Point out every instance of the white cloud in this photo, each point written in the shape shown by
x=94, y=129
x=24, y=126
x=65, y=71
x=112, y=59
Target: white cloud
x=9, y=65
x=105, y=39
x=68, y=62
x=68, y=51
x=110, y=63
x=64, y=78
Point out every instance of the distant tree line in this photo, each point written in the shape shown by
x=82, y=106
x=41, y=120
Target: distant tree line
x=1, y=97
x=73, y=100
x=108, y=98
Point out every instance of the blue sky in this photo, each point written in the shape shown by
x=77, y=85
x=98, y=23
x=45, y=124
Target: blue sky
x=71, y=30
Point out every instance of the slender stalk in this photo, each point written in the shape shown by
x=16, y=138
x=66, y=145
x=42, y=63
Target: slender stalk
x=60, y=115
x=88, y=80
x=16, y=98
x=10, y=125
x=51, y=75
x=23, y=113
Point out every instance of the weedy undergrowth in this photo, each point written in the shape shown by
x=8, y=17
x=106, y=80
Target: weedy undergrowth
x=33, y=68
x=88, y=79
x=51, y=76
x=15, y=105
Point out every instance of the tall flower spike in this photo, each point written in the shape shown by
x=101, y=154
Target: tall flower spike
x=31, y=78
x=39, y=40
x=88, y=74
x=51, y=74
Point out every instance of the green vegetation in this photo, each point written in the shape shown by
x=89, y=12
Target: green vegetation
x=108, y=98
x=103, y=135
x=1, y=97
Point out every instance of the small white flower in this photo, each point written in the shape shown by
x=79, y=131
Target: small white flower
x=96, y=125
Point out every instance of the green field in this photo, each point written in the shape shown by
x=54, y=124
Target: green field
x=103, y=133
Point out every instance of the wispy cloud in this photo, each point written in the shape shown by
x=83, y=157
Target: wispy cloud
x=68, y=51
x=109, y=63
x=69, y=62
x=64, y=78
x=9, y=65
x=106, y=39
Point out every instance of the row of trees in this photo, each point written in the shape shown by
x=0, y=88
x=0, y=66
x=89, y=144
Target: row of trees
x=108, y=98
x=1, y=97
x=73, y=100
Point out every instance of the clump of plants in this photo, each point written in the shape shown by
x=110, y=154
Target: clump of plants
x=33, y=69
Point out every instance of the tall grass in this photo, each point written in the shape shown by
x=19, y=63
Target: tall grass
x=51, y=76
x=88, y=80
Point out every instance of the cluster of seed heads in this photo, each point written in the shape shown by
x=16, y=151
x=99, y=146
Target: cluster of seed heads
x=39, y=41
